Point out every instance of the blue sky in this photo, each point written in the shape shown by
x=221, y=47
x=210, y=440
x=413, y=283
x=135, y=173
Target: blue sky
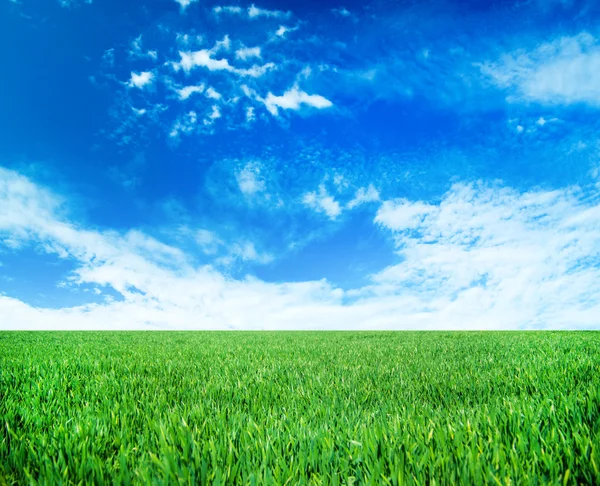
x=195, y=164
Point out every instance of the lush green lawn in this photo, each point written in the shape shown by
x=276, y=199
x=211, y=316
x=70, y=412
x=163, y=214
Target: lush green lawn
x=319, y=408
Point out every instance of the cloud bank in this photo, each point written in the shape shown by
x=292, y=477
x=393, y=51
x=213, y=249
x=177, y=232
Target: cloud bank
x=483, y=257
x=562, y=71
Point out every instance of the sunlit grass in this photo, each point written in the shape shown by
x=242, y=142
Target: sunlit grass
x=300, y=408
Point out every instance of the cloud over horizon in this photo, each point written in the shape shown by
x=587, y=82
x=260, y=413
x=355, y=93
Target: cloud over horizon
x=484, y=257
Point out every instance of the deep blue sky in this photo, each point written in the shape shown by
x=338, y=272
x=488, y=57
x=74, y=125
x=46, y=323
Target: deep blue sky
x=196, y=164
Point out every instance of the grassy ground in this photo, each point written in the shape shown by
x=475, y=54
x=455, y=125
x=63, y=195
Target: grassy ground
x=300, y=408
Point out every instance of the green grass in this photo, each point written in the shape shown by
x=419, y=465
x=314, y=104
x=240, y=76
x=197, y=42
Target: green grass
x=300, y=408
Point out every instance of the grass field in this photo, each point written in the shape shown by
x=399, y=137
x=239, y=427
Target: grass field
x=300, y=408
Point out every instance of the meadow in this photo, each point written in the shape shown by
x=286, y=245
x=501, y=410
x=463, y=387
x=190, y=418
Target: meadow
x=300, y=408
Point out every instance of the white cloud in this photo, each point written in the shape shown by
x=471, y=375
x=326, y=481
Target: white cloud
x=340, y=182
x=342, y=12
x=246, y=252
x=187, y=91
x=500, y=254
x=140, y=80
x=108, y=57
x=247, y=53
x=255, y=12
x=559, y=72
x=231, y=252
x=252, y=12
x=541, y=121
x=211, y=93
x=249, y=179
x=283, y=30
x=188, y=39
x=137, y=52
x=195, y=64
x=183, y=4
x=401, y=214
x=293, y=99
x=249, y=92
x=224, y=44
x=231, y=9
x=482, y=258
x=190, y=60
x=136, y=47
x=184, y=124
x=68, y=3
x=203, y=58
x=322, y=202
x=256, y=71
x=208, y=241
x=214, y=114
x=370, y=194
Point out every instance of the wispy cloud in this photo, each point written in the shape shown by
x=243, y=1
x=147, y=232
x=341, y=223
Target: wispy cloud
x=108, y=57
x=70, y=3
x=213, y=94
x=208, y=241
x=247, y=53
x=293, y=99
x=136, y=50
x=283, y=30
x=250, y=180
x=230, y=9
x=252, y=12
x=185, y=124
x=322, y=202
x=370, y=194
x=187, y=91
x=558, y=72
x=256, y=12
x=205, y=58
x=342, y=12
x=245, y=252
x=249, y=77
x=184, y=4
x=214, y=114
x=140, y=80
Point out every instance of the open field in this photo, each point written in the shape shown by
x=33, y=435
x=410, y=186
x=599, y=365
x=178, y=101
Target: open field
x=300, y=408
